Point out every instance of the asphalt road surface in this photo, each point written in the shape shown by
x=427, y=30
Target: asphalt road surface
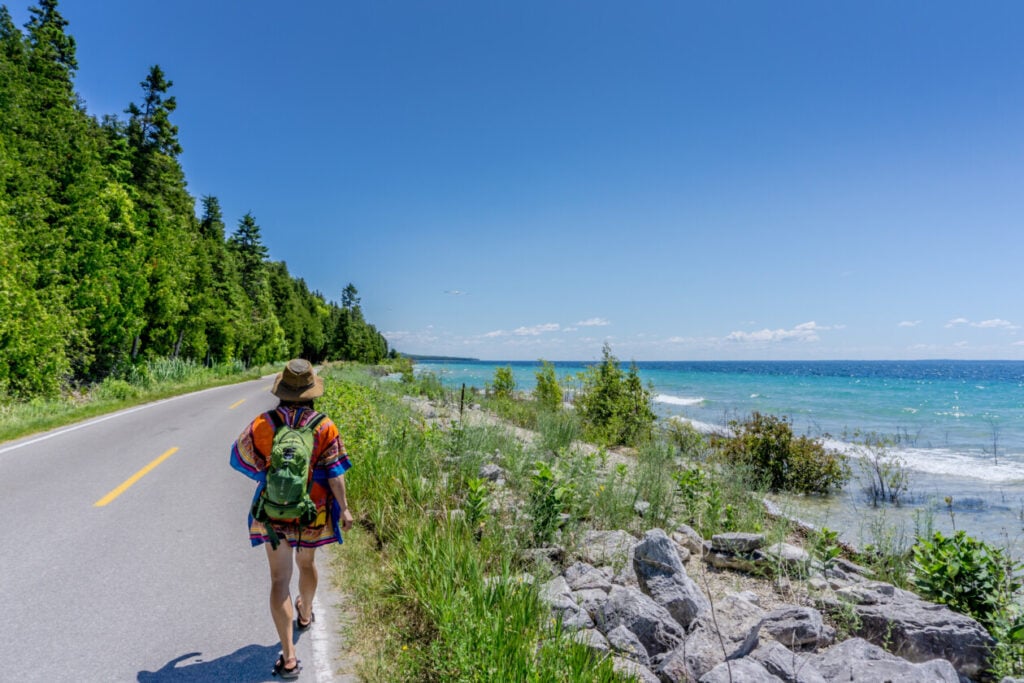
x=126, y=555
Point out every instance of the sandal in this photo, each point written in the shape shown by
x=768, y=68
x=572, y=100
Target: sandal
x=284, y=672
x=299, y=624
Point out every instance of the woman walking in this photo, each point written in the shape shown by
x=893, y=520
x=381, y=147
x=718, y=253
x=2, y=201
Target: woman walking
x=257, y=452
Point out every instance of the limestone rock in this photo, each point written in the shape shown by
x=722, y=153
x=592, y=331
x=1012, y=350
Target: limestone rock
x=625, y=642
x=651, y=623
x=687, y=537
x=556, y=594
x=661, y=575
x=737, y=543
x=917, y=630
x=858, y=661
x=740, y=671
x=798, y=628
x=582, y=576
x=734, y=626
x=606, y=547
x=638, y=671
x=784, y=664
x=591, y=638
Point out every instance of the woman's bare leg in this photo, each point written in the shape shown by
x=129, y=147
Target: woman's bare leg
x=280, y=597
x=308, y=577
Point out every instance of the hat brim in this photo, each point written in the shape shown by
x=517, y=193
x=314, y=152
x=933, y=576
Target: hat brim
x=287, y=393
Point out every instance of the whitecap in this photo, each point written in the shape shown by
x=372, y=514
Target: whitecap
x=678, y=401
x=941, y=461
x=702, y=427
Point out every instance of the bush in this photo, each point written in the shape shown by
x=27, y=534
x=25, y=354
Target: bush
x=615, y=406
x=115, y=390
x=504, y=382
x=547, y=393
x=766, y=444
x=969, y=575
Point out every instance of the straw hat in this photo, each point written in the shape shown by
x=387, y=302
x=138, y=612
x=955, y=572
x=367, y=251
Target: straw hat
x=298, y=382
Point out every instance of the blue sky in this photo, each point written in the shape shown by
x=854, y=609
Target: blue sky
x=741, y=180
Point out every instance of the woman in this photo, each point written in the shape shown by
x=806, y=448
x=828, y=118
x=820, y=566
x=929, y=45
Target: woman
x=296, y=386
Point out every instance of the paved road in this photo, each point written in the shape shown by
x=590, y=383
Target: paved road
x=158, y=585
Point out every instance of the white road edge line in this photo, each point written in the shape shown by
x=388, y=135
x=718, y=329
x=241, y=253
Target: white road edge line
x=95, y=421
x=320, y=642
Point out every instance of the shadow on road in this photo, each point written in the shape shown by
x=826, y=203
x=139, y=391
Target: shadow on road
x=249, y=664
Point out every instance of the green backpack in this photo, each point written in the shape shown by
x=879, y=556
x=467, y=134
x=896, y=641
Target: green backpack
x=285, y=497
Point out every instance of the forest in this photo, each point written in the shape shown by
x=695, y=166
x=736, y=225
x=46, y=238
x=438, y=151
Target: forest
x=104, y=259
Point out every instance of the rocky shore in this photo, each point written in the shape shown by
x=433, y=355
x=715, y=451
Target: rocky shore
x=673, y=607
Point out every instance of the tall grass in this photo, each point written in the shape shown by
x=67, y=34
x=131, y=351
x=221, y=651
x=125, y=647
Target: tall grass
x=442, y=596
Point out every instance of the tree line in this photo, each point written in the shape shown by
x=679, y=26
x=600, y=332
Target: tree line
x=103, y=260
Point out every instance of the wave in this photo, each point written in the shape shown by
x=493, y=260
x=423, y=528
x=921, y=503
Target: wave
x=935, y=461
x=677, y=400
x=702, y=427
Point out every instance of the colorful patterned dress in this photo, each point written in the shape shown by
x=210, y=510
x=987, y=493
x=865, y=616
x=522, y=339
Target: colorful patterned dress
x=249, y=456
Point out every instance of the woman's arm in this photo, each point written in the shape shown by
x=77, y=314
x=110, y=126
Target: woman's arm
x=337, y=485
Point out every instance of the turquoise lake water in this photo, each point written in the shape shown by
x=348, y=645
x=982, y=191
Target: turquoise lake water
x=957, y=425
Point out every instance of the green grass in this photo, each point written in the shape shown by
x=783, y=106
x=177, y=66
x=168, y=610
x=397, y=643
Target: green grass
x=442, y=598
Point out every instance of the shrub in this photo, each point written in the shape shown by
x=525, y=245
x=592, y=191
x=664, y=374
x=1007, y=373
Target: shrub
x=504, y=382
x=767, y=445
x=969, y=575
x=885, y=478
x=549, y=496
x=615, y=406
x=115, y=390
x=547, y=393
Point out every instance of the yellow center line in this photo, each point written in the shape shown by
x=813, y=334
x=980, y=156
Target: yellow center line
x=236, y=404
x=134, y=478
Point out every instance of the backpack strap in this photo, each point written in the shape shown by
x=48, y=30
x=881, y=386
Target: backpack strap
x=276, y=419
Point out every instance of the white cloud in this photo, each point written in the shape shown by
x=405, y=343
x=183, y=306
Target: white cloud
x=536, y=330
x=569, y=329
x=996, y=324
x=909, y=323
x=593, y=322
x=804, y=332
x=960, y=344
x=494, y=333
x=454, y=292
x=993, y=324
x=1017, y=343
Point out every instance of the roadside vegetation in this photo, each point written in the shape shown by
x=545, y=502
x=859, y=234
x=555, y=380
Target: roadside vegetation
x=147, y=381
x=460, y=520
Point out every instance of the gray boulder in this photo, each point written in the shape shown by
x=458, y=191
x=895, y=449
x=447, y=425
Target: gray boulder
x=785, y=664
x=740, y=671
x=556, y=594
x=591, y=638
x=858, y=661
x=625, y=642
x=591, y=600
x=736, y=542
x=491, y=472
x=730, y=632
x=651, y=623
x=798, y=628
x=785, y=555
x=582, y=576
x=688, y=538
x=917, y=630
x=639, y=672
x=606, y=547
x=661, y=575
